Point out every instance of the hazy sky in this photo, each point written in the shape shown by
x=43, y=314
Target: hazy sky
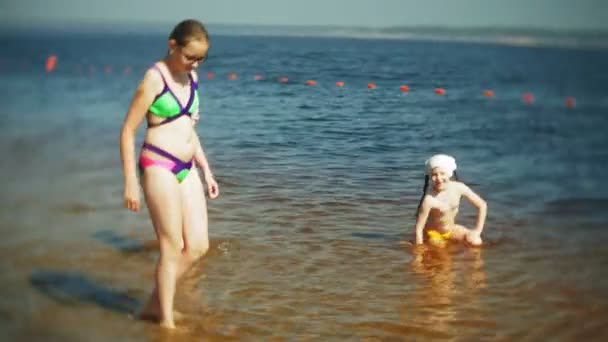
x=565, y=14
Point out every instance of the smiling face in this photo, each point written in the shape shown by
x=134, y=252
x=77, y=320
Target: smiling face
x=439, y=178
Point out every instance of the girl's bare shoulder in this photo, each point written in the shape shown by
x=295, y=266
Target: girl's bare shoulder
x=457, y=189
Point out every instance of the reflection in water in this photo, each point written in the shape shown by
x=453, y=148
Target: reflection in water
x=446, y=278
x=477, y=278
x=435, y=265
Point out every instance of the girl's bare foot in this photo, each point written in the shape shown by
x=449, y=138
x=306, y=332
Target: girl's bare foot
x=167, y=324
x=154, y=315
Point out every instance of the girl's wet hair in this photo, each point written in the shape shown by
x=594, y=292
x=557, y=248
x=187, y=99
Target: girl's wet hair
x=188, y=30
x=425, y=187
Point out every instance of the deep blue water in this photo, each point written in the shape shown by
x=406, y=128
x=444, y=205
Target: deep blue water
x=348, y=140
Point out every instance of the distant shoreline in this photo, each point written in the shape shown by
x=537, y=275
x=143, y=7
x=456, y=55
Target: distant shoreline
x=489, y=35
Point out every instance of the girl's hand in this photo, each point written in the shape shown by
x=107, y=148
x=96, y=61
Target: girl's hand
x=131, y=197
x=212, y=187
x=474, y=238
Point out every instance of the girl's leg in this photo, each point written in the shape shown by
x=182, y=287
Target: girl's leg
x=195, y=241
x=461, y=233
x=195, y=222
x=164, y=204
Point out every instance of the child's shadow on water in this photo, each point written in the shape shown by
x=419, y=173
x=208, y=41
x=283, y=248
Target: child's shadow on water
x=74, y=288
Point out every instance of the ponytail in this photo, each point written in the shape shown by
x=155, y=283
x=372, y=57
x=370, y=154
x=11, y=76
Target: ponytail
x=426, y=185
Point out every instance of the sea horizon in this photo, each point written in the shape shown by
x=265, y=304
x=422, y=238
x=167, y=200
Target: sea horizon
x=505, y=35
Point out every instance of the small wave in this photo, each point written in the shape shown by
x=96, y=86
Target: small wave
x=286, y=93
x=307, y=107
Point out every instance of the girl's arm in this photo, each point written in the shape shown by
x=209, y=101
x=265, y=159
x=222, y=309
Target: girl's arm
x=421, y=219
x=196, y=115
x=143, y=98
x=478, y=202
x=201, y=160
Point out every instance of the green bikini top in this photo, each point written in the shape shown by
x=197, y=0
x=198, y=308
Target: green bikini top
x=166, y=104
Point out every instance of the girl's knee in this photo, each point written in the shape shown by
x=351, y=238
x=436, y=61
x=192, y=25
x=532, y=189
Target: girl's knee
x=197, y=251
x=201, y=250
x=170, y=248
x=474, y=239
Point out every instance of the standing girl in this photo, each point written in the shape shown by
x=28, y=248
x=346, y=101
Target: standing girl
x=167, y=96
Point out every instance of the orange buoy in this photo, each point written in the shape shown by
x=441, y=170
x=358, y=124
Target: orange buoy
x=528, y=98
x=283, y=79
x=210, y=75
x=311, y=83
x=232, y=76
x=404, y=88
x=339, y=84
x=51, y=63
x=439, y=91
x=257, y=77
x=570, y=102
x=371, y=86
x=488, y=93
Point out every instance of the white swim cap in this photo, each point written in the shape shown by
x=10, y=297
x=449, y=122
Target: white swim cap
x=443, y=161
